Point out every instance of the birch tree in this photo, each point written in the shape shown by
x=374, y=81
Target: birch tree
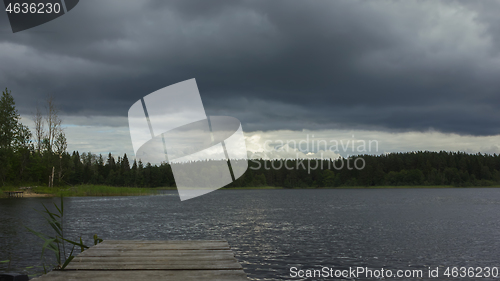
x=53, y=122
x=39, y=129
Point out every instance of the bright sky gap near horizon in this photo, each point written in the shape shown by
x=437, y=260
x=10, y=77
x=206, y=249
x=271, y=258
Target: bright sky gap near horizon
x=413, y=75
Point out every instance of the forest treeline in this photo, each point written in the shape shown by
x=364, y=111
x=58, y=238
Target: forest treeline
x=413, y=168
x=40, y=158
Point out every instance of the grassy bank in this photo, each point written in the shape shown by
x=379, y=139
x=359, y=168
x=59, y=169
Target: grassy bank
x=83, y=190
x=103, y=190
x=94, y=190
x=7, y=188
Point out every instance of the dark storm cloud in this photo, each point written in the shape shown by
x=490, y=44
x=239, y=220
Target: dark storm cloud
x=385, y=65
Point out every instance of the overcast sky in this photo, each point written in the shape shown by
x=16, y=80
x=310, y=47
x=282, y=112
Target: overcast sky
x=415, y=75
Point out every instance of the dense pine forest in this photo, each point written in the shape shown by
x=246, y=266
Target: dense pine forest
x=419, y=168
x=40, y=158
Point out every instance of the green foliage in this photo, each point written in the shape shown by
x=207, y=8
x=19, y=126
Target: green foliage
x=97, y=240
x=422, y=168
x=93, y=190
x=57, y=242
x=90, y=174
x=15, y=143
x=328, y=178
x=9, y=120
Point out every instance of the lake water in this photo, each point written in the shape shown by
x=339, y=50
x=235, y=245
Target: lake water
x=271, y=231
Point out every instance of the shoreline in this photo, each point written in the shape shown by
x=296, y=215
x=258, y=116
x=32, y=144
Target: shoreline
x=87, y=191
x=77, y=191
x=34, y=194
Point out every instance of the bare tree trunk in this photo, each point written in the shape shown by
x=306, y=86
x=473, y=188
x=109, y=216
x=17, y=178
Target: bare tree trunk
x=60, y=145
x=60, y=168
x=39, y=130
x=53, y=121
x=52, y=178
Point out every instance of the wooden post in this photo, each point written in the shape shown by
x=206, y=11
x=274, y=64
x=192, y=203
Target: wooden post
x=51, y=184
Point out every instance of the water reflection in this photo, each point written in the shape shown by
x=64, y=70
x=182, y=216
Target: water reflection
x=272, y=230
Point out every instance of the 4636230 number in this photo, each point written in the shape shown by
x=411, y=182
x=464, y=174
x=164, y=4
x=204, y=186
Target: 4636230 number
x=472, y=272
x=33, y=8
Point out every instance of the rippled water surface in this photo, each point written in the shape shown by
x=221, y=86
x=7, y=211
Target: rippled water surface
x=273, y=230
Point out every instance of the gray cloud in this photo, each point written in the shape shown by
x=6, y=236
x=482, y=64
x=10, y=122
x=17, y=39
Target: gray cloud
x=384, y=65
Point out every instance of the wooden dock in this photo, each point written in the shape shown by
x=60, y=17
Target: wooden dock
x=153, y=260
x=14, y=193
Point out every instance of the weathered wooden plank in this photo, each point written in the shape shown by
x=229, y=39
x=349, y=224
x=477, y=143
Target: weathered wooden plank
x=162, y=242
x=111, y=243
x=161, y=275
x=198, y=265
x=151, y=253
x=207, y=246
x=198, y=257
x=155, y=260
